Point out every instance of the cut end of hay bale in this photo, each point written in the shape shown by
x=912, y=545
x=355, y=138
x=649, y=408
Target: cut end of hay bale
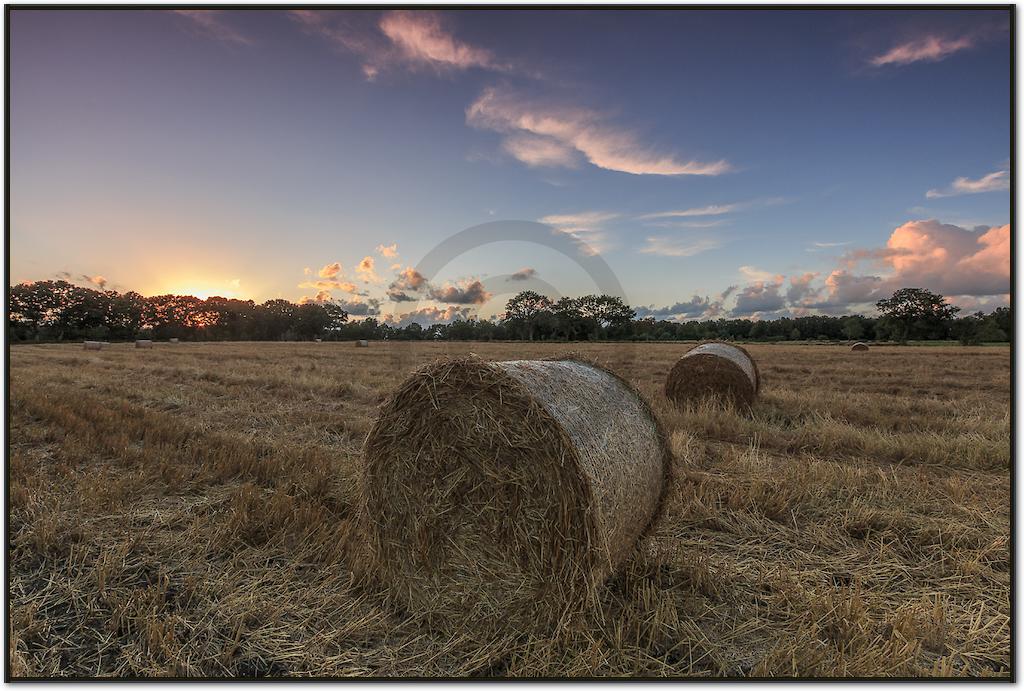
x=502, y=493
x=859, y=346
x=714, y=370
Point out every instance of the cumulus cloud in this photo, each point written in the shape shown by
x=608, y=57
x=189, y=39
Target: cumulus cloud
x=366, y=271
x=695, y=307
x=409, y=280
x=523, y=274
x=388, y=251
x=360, y=308
x=800, y=288
x=321, y=297
x=427, y=316
x=759, y=297
x=672, y=247
x=575, y=129
x=465, y=293
x=98, y=281
x=330, y=270
x=211, y=23
x=999, y=181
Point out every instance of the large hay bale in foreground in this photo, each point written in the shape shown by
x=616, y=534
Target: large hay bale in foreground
x=142, y=343
x=859, y=346
x=92, y=345
x=502, y=493
x=721, y=370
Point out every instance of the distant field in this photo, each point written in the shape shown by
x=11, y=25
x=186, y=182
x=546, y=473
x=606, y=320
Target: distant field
x=184, y=511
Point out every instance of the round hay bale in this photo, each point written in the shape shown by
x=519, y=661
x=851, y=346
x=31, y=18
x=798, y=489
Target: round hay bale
x=503, y=493
x=714, y=369
x=143, y=343
x=362, y=344
x=92, y=345
x=859, y=346
x=172, y=340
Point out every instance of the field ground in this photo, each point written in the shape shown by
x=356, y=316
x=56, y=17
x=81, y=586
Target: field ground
x=185, y=511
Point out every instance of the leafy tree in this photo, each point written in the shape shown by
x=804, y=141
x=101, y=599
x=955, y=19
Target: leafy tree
x=916, y=308
x=524, y=310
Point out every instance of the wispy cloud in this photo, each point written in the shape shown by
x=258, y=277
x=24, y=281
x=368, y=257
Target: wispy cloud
x=415, y=40
x=586, y=228
x=830, y=244
x=422, y=39
x=930, y=48
x=998, y=181
x=689, y=224
x=671, y=247
x=711, y=210
x=568, y=128
x=752, y=273
x=211, y=23
x=329, y=284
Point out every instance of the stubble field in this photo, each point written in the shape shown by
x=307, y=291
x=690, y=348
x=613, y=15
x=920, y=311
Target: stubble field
x=187, y=511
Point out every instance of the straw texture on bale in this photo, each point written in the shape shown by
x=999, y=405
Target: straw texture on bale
x=503, y=493
x=362, y=344
x=714, y=369
x=92, y=345
x=143, y=344
x=859, y=346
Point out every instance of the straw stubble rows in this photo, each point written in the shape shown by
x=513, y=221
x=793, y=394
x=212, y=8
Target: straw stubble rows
x=189, y=510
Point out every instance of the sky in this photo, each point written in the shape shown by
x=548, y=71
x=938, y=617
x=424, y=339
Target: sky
x=715, y=163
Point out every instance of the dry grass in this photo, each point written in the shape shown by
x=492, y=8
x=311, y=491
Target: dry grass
x=187, y=511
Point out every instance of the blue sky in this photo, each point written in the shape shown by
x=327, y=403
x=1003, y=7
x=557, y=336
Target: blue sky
x=722, y=163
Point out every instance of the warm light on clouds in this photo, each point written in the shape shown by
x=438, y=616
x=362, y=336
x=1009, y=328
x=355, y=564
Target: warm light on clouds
x=365, y=270
x=388, y=251
x=999, y=181
x=573, y=128
x=330, y=271
x=926, y=49
x=674, y=247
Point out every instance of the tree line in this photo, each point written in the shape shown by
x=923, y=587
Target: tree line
x=59, y=311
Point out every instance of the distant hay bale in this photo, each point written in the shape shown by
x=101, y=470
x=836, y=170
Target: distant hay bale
x=143, y=344
x=721, y=370
x=503, y=493
x=93, y=345
x=859, y=346
x=362, y=344
x=318, y=340
x=173, y=340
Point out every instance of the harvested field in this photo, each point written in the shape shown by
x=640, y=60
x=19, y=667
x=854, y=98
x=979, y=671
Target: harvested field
x=187, y=511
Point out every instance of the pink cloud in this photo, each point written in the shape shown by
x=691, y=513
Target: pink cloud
x=211, y=23
x=927, y=48
x=576, y=129
x=422, y=39
x=465, y=293
x=388, y=251
x=998, y=181
x=366, y=271
x=330, y=270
